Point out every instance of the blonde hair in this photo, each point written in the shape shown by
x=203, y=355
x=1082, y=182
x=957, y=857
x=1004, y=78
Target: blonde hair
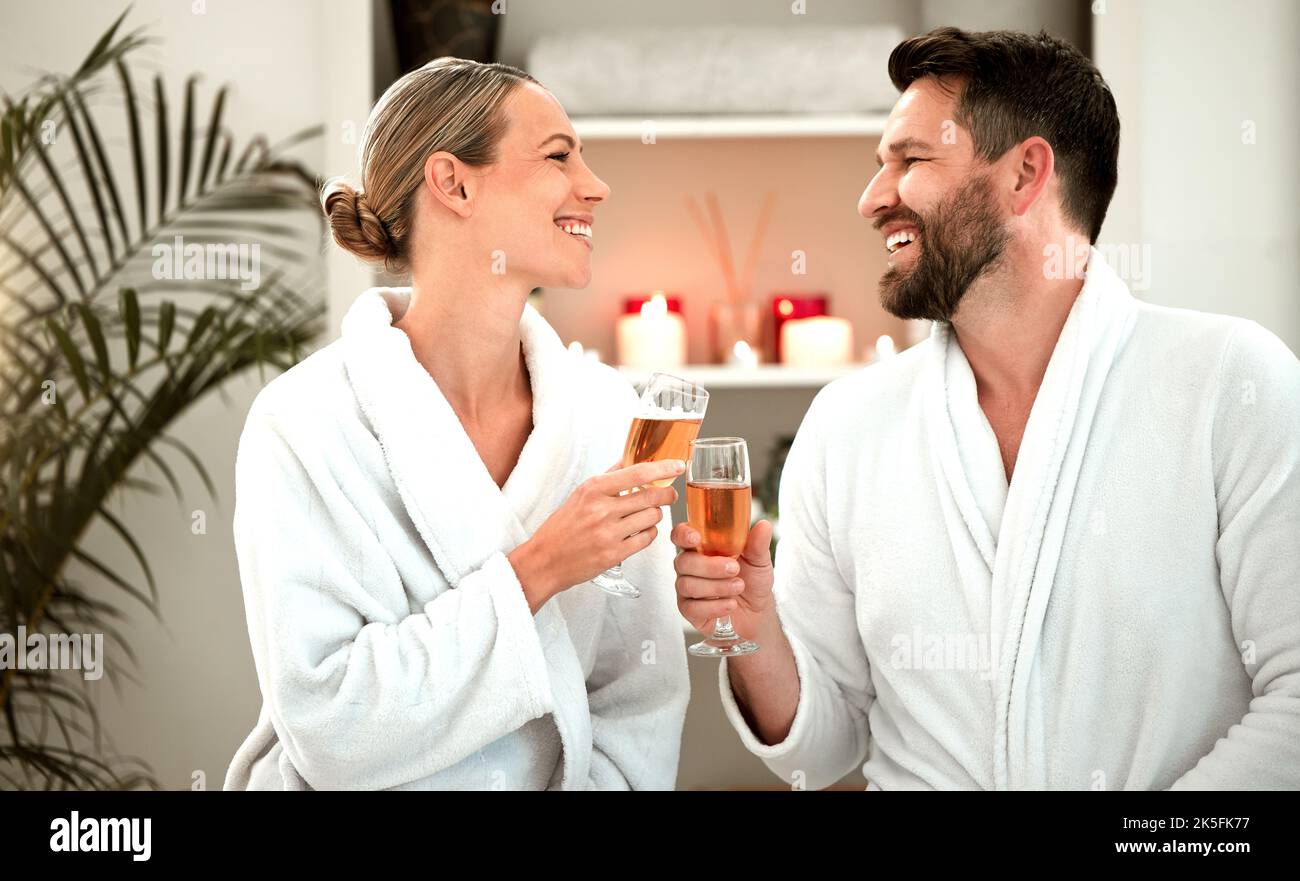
x=449, y=104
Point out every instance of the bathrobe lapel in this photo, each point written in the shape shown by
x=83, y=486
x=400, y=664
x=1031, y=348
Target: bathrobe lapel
x=453, y=501
x=951, y=407
x=1019, y=564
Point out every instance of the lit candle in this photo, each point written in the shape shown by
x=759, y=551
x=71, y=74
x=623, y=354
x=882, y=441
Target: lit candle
x=743, y=355
x=653, y=338
x=816, y=342
x=884, y=348
x=793, y=306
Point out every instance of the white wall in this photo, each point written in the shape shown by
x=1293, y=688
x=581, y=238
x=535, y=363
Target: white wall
x=1221, y=216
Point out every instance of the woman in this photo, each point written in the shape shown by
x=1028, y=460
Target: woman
x=420, y=504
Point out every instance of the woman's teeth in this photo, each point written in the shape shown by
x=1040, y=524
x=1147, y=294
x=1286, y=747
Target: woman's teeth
x=576, y=229
x=898, y=239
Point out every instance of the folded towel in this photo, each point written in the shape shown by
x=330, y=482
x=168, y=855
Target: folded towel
x=808, y=69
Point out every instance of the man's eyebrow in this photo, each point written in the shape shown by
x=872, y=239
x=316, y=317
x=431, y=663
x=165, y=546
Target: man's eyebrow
x=559, y=137
x=902, y=145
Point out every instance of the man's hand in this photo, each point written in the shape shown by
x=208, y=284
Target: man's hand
x=711, y=587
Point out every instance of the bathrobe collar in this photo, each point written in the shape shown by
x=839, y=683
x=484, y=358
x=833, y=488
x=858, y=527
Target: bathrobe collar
x=966, y=447
x=446, y=488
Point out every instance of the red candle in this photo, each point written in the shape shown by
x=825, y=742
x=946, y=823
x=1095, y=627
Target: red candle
x=632, y=303
x=786, y=307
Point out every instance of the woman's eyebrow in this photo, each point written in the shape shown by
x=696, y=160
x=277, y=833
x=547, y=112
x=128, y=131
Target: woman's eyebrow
x=560, y=137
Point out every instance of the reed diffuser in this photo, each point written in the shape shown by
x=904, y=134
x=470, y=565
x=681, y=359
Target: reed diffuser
x=735, y=322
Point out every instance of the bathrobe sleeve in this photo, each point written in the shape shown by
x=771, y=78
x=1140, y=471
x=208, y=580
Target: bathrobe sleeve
x=639, y=687
x=360, y=696
x=1256, y=460
x=829, y=735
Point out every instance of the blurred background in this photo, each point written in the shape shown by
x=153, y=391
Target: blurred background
x=745, y=122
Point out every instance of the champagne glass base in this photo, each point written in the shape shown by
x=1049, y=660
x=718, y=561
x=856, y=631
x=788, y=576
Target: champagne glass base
x=713, y=647
x=614, y=583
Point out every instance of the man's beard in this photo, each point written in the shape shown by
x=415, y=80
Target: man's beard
x=962, y=239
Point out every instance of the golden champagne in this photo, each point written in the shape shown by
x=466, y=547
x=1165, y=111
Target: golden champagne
x=651, y=439
x=719, y=511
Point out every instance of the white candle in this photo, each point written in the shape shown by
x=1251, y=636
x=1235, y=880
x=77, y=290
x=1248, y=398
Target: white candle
x=655, y=338
x=816, y=342
x=884, y=348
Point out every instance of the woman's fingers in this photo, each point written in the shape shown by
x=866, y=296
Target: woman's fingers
x=614, y=482
x=638, y=542
x=650, y=497
x=646, y=518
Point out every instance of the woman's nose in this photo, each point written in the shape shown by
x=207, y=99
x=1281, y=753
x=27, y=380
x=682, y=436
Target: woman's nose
x=592, y=189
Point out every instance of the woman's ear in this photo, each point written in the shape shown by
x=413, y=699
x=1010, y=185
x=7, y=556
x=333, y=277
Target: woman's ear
x=447, y=178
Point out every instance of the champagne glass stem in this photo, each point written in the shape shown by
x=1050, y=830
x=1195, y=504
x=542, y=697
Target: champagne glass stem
x=722, y=628
x=612, y=581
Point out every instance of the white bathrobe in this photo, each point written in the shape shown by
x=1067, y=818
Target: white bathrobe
x=393, y=643
x=1126, y=615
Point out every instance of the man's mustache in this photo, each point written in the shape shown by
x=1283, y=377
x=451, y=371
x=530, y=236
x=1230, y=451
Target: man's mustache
x=906, y=215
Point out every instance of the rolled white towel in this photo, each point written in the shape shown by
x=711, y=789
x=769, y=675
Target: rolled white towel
x=809, y=69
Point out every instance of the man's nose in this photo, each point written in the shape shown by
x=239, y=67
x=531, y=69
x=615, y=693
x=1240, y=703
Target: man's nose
x=880, y=195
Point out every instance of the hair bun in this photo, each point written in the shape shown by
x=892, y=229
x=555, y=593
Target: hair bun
x=356, y=227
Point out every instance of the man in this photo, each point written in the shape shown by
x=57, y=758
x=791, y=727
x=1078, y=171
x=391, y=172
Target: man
x=1057, y=544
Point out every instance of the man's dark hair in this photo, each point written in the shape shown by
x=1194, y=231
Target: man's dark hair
x=1019, y=85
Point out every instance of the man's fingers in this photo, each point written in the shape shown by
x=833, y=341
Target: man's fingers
x=704, y=566
x=701, y=613
x=690, y=587
x=684, y=537
x=758, y=547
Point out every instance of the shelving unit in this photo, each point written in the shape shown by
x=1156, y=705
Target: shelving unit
x=764, y=376
x=592, y=128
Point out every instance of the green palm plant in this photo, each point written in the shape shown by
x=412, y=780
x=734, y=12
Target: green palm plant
x=99, y=356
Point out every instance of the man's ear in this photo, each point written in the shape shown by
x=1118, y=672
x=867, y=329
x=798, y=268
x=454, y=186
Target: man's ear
x=1036, y=161
x=448, y=179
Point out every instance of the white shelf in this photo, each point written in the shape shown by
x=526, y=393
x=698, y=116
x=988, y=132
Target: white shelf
x=773, y=125
x=714, y=376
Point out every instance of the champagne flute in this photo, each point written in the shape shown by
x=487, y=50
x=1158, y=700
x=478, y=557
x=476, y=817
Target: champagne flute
x=668, y=419
x=718, y=508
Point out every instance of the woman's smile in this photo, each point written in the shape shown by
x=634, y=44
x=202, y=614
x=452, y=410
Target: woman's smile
x=576, y=227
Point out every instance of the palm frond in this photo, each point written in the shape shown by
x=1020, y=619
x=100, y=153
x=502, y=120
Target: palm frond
x=100, y=355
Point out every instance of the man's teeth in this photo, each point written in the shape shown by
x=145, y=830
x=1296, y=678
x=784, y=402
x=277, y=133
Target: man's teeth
x=576, y=229
x=898, y=239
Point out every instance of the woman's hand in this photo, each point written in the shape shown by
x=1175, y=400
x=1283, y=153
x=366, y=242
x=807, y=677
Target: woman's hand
x=594, y=529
